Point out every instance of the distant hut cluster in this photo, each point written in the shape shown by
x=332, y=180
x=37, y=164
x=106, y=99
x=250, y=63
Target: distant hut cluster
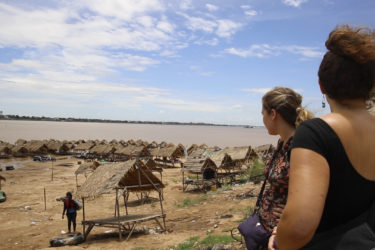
x=201, y=166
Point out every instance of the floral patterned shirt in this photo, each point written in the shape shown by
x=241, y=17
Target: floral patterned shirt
x=276, y=189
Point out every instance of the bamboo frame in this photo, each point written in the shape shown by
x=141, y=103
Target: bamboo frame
x=126, y=222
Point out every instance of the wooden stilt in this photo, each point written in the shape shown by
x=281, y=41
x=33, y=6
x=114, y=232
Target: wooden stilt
x=118, y=215
x=83, y=216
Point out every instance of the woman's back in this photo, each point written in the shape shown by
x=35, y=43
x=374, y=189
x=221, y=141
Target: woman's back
x=356, y=130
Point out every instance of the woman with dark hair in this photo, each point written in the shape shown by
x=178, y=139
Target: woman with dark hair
x=332, y=175
x=282, y=113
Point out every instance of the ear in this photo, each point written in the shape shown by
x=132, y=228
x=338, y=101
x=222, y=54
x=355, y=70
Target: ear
x=273, y=114
x=321, y=87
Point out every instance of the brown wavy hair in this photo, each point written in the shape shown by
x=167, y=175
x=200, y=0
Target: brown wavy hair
x=287, y=103
x=347, y=70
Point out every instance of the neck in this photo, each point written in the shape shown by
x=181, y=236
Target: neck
x=346, y=105
x=286, y=132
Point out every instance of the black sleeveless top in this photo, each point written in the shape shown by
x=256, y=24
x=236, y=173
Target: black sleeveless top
x=349, y=194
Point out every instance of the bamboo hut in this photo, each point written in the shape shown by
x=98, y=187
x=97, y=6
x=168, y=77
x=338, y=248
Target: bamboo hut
x=86, y=169
x=205, y=172
x=57, y=147
x=104, y=151
x=203, y=152
x=2, y=179
x=168, y=155
x=19, y=151
x=130, y=152
x=240, y=156
x=124, y=178
x=36, y=147
x=265, y=151
x=20, y=142
x=83, y=148
x=153, y=166
x=5, y=150
x=192, y=148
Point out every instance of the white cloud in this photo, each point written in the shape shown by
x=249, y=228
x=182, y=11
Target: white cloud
x=227, y=28
x=251, y=13
x=198, y=23
x=211, y=7
x=266, y=50
x=185, y=4
x=257, y=90
x=245, y=7
x=123, y=9
x=294, y=3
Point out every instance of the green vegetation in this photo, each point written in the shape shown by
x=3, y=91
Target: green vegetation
x=211, y=240
x=187, y=202
x=187, y=244
x=208, y=242
x=257, y=170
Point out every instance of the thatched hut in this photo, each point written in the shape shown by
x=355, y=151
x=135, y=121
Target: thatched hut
x=102, y=151
x=130, y=152
x=5, y=150
x=126, y=177
x=36, y=147
x=203, y=152
x=240, y=156
x=86, y=169
x=168, y=154
x=57, y=147
x=153, y=166
x=205, y=172
x=20, y=151
x=83, y=147
x=20, y=142
x=265, y=151
x=192, y=148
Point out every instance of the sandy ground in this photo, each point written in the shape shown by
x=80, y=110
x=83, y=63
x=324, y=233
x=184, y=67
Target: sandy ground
x=22, y=228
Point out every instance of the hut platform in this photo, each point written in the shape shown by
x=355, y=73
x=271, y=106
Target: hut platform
x=200, y=184
x=127, y=223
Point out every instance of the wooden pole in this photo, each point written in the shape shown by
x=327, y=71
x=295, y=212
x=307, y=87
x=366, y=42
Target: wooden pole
x=118, y=215
x=83, y=217
x=76, y=181
x=45, y=203
x=52, y=171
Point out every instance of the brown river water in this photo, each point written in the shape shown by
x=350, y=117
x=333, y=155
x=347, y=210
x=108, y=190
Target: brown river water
x=221, y=136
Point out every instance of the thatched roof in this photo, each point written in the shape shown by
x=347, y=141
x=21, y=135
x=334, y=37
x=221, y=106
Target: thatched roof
x=152, y=165
x=87, y=167
x=20, y=142
x=84, y=146
x=102, y=149
x=171, y=152
x=195, y=165
x=240, y=153
x=220, y=157
x=5, y=149
x=125, y=174
x=36, y=147
x=192, y=148
x=21, y=149
x=203, y=152
x=132, y=151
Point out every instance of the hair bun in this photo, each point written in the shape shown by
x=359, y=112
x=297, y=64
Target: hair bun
x=357, y=43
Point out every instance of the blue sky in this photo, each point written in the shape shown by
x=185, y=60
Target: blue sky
x=155, y=60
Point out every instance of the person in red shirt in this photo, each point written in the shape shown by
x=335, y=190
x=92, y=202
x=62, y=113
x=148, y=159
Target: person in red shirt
x=70, y=206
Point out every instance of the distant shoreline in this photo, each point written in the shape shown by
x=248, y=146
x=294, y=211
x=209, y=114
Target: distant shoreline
x=62, y=119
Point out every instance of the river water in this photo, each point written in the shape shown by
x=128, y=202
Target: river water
x=221, y=136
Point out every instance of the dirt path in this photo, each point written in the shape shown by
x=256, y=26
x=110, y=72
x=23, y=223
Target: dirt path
x=21, y=228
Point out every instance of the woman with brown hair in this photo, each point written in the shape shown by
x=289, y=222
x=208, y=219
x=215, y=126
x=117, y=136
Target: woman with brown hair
x=332, y=175
x=282, y=113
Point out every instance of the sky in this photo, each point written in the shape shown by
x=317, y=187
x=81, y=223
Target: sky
x=173, y=60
